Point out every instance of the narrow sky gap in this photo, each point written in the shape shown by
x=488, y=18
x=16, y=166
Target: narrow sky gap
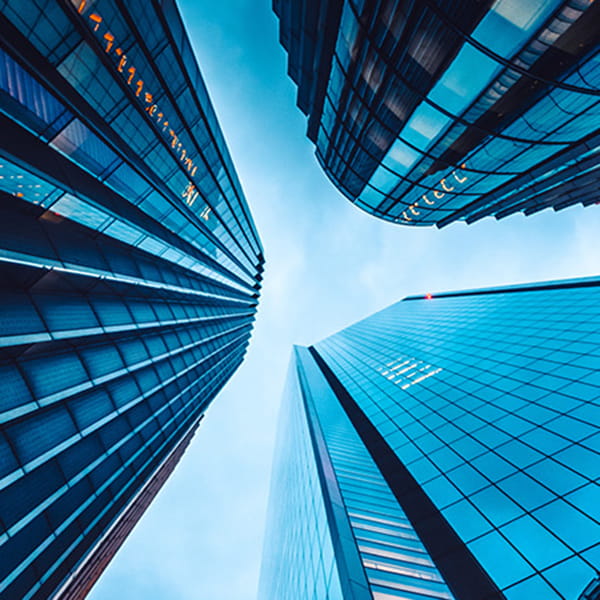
x=327, y=265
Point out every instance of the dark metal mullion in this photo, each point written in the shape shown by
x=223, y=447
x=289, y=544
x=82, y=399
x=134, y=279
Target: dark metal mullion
x=512, y=90
x=33, y=154
x=390, y=63
x=559, y=285
x=87, y=567
x=590, y=182
x=533, y=191
x=167, y=235
x=506, y=62
x=456, y=120
x=353, y=577
x=171, y=98
x=553, y=161
x=460, y=569
x=191, y=89
x=411, y=183
x=123, y=149
x=391, y=66
x=404, y=178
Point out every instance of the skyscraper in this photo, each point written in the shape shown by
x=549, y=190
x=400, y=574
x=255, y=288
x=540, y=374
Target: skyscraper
x=444, y=448
x=429, y=112
x=130, y=271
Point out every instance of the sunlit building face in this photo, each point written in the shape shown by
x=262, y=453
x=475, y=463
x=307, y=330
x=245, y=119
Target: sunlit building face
x=425, y=113
x=445, y=448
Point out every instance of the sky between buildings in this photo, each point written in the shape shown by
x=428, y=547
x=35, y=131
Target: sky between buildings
x=327, y=265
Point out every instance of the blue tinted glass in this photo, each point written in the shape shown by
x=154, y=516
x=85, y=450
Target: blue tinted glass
x=580, y=459
x=509, y=24
x=587, y=499
x=497, y=507
x=466, y=520
x=534, y=587
x=467, y=479
x=84, y=147
x=383, y=180
x=563, y=576
x=441, y=491
x=492, y=466
x=400, y=158
x=424, y=126
x=518, y=453
x=480, y=343
x=464, y=80
x=511, y=568
x=81, y=212
x=572, y=526
x=535, y=542
x=556, y=477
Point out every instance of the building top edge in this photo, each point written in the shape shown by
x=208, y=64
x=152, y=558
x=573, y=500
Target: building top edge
x=592, y=281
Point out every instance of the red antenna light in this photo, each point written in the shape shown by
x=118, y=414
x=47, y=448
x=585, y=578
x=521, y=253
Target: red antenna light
x=428, y=296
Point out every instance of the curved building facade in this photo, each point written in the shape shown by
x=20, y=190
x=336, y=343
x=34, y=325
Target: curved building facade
x=429, y=112
x=130, y=271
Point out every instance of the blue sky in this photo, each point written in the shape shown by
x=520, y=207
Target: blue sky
x=328, y=265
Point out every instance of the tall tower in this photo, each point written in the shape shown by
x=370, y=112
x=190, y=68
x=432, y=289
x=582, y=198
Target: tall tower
x=444, y=448
x=428, y=112
x=130, y=271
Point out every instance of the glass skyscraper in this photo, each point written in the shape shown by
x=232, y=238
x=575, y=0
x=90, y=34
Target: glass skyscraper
x=130, y=271
x=429, y=112
x=446, y=447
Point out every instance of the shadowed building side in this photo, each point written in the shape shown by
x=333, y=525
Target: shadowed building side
x=87, y=573
x=130, y=272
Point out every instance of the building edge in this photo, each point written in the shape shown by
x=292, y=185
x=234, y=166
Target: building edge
x=85, y=575
x=462, y=572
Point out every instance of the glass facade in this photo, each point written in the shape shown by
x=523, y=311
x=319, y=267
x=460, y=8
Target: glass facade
x=462, y=432
x=130, y=271
x=428, y=112
x=298, y=533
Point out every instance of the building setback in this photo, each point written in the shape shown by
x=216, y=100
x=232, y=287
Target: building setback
x=444, y=448
x=430, y=112
x=130, y=271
